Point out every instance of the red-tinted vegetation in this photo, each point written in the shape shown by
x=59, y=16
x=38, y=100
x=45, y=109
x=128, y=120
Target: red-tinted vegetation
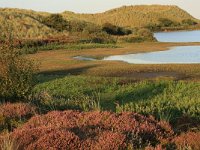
x=16, y=110
x=92, y=130
x=188, y=140
x=12, y=115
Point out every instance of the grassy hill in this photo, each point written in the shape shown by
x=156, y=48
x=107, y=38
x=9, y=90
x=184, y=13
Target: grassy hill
x=27, y=24
x=134, y=16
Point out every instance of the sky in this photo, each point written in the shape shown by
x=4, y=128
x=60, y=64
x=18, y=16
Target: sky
x=94, y=6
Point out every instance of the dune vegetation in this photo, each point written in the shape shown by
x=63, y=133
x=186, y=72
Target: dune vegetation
x=30, y=24
x=134, y=16
x=51, y=100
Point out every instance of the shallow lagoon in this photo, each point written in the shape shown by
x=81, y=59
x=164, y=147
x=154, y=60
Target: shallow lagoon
x=180, y=36
x=176, y=55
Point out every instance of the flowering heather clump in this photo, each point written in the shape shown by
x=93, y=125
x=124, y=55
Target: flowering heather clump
x=89, y=130
x=12, y=115
x=16, y=110
x=188, y=140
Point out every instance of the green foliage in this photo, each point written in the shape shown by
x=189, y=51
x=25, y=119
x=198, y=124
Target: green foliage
x=115, y=30
x=166, y=100
x=57, y=22
x=175, y=100
x=16, y=72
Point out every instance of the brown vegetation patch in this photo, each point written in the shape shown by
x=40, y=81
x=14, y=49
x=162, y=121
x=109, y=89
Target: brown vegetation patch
x=188, y=140
x=16, y=110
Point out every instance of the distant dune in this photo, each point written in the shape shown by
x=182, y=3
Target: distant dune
x=27, y=23
x=134, y=16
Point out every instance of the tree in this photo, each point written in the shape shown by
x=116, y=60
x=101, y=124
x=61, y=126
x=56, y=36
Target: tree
x=16, y=72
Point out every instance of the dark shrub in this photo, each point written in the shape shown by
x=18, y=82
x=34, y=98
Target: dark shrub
x=57, y=22
x=164, y=22
x=153, y=27
x=115, y=30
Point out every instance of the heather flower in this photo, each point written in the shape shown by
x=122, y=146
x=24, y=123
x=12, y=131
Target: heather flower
x=90, y=131
x=188, y=140
x=16, y=110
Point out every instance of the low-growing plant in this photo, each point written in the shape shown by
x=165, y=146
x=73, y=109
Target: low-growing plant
x=90, y=130
x=13, y=115
x=188, y=141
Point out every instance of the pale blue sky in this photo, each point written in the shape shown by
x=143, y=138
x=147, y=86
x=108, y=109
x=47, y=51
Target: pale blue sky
x=93, y=6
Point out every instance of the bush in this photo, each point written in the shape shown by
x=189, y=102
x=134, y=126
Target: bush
x=12, y=115
x=91, y=130
x=164, y=22
x=115, y=30
x=57, y=22
x=16, y=72
x=153, y=27
x=146, y=34
x=100, y=37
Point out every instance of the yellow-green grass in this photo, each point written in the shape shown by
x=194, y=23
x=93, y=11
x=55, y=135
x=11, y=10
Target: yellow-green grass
x=134, y=16
x=62, y=62
x=27, y=24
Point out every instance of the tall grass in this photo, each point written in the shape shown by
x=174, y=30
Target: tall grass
x=8, y=143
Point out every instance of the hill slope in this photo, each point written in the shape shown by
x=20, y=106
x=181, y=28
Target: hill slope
x=24, y=23
x=27, y=23
x=134, y=16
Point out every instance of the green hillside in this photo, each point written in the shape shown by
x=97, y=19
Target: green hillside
x=134, y=16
